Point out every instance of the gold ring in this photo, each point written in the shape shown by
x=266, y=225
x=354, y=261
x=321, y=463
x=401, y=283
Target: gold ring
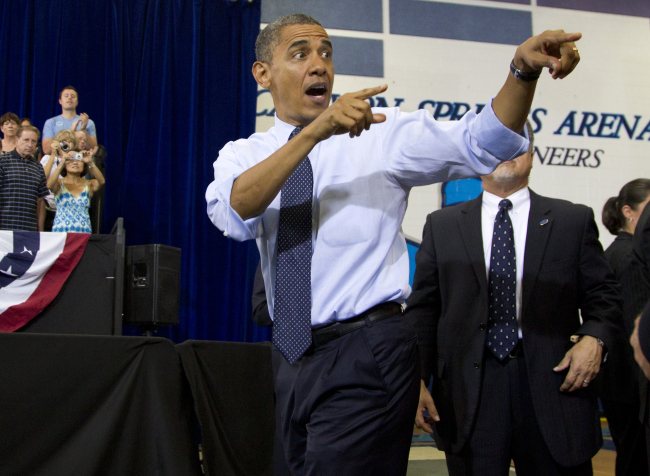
x=576, y=49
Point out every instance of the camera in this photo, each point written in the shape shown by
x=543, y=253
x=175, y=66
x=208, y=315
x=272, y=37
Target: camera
x=77, y=156
x=65, y=146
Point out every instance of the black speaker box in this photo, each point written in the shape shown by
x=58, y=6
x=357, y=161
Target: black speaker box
x=152, y=285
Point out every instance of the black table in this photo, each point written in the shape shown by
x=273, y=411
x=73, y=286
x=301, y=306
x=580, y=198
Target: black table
x=109, y=405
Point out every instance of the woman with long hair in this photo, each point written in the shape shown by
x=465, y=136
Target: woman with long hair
x=619, y=386
x=72, y=192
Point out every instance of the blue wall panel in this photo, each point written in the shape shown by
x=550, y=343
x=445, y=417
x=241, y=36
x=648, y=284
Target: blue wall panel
x=520, y=2
x=460, y=22
x=458, y=191
x=412, y=248
x=357, y=15
x=637, y=8
x=358, y=56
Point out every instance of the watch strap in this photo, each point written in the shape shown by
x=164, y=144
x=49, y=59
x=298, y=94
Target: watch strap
x=523, y=75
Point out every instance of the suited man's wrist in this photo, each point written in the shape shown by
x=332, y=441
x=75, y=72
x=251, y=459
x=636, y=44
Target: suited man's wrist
x=605, y=353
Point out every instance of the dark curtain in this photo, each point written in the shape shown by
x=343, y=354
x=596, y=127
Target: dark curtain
x=167, y=83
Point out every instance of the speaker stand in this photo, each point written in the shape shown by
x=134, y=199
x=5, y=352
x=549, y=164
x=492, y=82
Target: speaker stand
x=148, y=329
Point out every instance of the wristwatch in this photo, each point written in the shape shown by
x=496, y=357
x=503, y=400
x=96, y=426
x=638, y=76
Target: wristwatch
x=523, y=75
x=576, y=338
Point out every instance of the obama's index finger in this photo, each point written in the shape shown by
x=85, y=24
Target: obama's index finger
x=559, y=38
x=369, y=92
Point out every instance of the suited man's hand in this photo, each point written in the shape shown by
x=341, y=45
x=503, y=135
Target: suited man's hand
x=583, y=361
x=426, y=403
x=638, y=353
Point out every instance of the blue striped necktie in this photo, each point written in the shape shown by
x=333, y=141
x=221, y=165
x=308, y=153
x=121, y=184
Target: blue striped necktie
x=502, y=335
x=292, y=307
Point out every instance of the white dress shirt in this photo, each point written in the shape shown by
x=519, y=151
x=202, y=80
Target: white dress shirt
x=55, y=163
x=361, y=188
x=519, y=218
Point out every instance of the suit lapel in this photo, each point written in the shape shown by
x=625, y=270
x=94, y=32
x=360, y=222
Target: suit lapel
x=470, y=230
x=540, y=222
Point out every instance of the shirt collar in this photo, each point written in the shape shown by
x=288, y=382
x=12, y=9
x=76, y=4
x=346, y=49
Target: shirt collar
x=282, y=130
x=519, y=199
x=16, y=155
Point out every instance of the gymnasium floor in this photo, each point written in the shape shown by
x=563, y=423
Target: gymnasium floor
x=426, y=460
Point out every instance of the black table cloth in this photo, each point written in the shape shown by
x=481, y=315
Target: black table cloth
x=107, y=405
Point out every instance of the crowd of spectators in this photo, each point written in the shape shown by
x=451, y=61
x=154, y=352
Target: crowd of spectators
x=54, y=184
x=623, y=387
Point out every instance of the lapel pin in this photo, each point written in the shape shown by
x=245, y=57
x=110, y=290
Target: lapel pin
x=544, y=221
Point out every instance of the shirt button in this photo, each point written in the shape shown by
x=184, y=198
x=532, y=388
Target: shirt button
x=476, y=365
x=481, y=327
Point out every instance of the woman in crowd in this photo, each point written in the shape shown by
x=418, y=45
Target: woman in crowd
x=50, y=164
x=67, y=139
x=619, y=388
x=620, y=216
x=9, y=125
x=72, y=192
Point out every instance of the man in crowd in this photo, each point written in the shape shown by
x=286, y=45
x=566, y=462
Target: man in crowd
x=22, y=185
x=326, y=208
x=69, y=100
x=640, y=339
x=81, y=137
x=500, y=285
x=641, y=244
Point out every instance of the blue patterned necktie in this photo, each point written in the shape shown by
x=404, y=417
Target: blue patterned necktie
x=292, y=307
x=502, y=290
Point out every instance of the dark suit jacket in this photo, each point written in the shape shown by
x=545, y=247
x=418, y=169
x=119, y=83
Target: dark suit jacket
x=642, y=243
x=641, y=247
x=619, y=378
x=629, y=273
x=565, y=273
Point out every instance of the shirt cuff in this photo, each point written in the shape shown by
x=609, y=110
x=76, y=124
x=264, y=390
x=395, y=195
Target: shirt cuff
x=224, y=217
x=496, y=138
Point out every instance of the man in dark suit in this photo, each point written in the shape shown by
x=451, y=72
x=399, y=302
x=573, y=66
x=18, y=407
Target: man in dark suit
x=511, y=359
x=641, y=244
x=641, y=249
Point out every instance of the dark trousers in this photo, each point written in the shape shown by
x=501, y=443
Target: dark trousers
x=647, y=442
x=629, y=437
x=506, y=428
x=284, y=374
x=353, y=402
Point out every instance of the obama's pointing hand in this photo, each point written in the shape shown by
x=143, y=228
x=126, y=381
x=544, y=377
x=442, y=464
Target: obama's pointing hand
x=350, y=113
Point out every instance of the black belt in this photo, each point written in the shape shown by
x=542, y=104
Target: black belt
x=323, y=335
x=517, y=352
